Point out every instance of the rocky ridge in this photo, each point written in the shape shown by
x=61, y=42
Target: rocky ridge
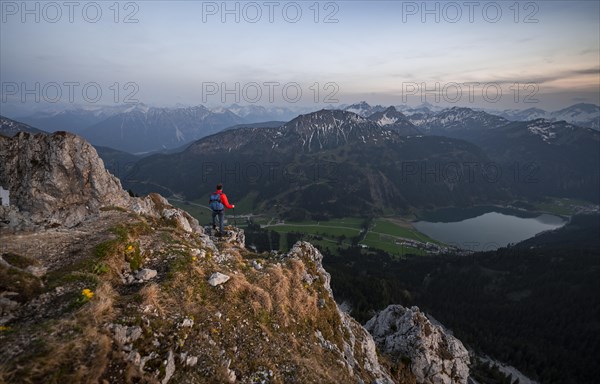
x=135, y=290
x=436, y=356
x=59, y=180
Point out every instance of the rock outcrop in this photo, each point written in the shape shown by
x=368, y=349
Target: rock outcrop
x=358, y=351
x=434, y=356
x=57, y=179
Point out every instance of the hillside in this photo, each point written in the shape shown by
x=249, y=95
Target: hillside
x=328, y=163
x=141, y=129
x=533, y=306
x=545, y=157
x=134, y=290
x=9, y=127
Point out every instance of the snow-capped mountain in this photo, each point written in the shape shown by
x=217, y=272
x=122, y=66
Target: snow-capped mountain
x=392, y=118
x=582, y=114
x=424, y=108
x=522, y=114
x=456, y=122
x=585, y=115
x=143, y=129
x=329, y=161
x=364, y=109
x=74, y=119
x=545, y=158
x=544, y=129
x=9, y=127
x=332, y=128
x=257, y=113
x=559, y=132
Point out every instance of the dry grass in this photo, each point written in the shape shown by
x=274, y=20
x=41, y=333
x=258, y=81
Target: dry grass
x=73, y=351
x=270, y=316
x=290, y=297
x=100, y=309
x=150, y=295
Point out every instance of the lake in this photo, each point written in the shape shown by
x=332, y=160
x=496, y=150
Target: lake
x=486, y=231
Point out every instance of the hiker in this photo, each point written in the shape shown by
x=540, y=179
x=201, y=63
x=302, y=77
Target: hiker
x=218, y=202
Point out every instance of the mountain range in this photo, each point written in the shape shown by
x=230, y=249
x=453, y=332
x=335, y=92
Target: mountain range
x=341, y=162
x=138, y=128
x=327, y=163
x=582, y=114
x=72, y=119
x=143, y=129
x=388, y=159
x=392, y=118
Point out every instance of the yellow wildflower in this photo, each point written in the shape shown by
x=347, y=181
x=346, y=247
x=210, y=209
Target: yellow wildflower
x=88, y=294
x=130, y=248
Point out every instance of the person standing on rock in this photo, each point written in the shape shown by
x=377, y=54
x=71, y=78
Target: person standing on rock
x=218, y=202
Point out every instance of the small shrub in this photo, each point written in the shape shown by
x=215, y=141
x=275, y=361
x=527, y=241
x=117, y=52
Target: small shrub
x=100, y=268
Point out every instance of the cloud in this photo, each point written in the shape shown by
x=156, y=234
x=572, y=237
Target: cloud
x=541, y=79
x=588, y=71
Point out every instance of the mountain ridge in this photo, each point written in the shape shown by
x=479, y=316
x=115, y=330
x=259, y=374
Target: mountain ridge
x=146, y=294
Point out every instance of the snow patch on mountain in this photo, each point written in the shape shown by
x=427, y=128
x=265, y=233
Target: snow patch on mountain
x=364, y=109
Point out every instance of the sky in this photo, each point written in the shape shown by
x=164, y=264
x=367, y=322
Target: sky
x=484, y=54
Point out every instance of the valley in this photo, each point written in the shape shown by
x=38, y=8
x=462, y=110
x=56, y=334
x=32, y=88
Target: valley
x=394, y=235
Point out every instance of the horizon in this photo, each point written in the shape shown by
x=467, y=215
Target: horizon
x=292, y=109
x=479, y=55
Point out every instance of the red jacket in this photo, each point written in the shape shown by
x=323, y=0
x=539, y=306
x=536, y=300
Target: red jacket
x=224, y=199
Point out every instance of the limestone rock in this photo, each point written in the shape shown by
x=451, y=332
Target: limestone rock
x=146, y=274
x=157, y=206
x=236, y=237
x=36, y=271
x=57, y=179
x=218, y=278
x=124, y=334
x=436, y=357
x=257, y=265
x=170, y=368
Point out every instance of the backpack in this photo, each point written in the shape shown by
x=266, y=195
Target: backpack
x=215, y=202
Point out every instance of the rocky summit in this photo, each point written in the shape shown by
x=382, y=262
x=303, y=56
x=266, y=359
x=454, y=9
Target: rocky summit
x=56, y=179
x=100, y=287
x=436, y=356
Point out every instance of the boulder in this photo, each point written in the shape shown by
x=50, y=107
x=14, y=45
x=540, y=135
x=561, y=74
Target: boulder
x=435, y=356
x=146, y=274
x=218, y=278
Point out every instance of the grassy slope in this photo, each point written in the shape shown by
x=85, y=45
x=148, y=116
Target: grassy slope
x=259, y=321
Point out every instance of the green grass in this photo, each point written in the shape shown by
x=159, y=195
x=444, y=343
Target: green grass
x=383, y=235
x=380, y=235
x=200, y=213
x=350, y=222
x=387, y=227
x=561, y=206
x=244, y=206
x=322, y=230
x=324, y=244
x=387, y=244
